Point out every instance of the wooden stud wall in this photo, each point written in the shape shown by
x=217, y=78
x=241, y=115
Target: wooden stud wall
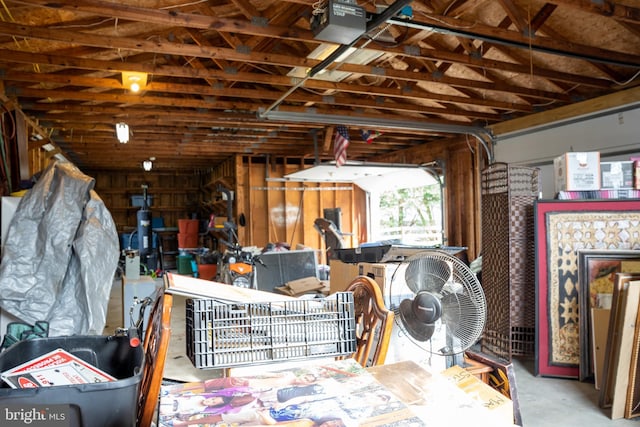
x=175, y=195
x=278, y=211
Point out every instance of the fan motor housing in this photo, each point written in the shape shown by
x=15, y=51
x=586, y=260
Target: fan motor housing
x=427, y=307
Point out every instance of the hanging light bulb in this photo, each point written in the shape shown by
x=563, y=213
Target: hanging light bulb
x=135, y=86
x=122, y=132
x=147, y=165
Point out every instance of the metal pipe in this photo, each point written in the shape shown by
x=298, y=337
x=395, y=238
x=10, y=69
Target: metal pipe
x=441, y=29
x=478, y=132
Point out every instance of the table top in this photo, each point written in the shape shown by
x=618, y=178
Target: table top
x=437, y=399
x=402, y=393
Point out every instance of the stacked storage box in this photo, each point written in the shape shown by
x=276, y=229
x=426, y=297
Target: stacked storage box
x=188, y=233
x=112, y=404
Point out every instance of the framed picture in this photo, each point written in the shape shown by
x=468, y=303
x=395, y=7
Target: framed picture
x=620, y=341
x=632, y=402
x=562, y=227
x=596, y=276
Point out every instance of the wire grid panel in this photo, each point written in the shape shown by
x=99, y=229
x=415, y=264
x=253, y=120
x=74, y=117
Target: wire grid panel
x=223, y=334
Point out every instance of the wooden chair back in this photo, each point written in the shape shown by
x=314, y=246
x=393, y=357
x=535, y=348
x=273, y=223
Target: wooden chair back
x=156, y=344
x=374, y=322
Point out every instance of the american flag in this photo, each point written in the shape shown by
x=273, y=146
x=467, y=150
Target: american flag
x=369, y=135
x=340, y=144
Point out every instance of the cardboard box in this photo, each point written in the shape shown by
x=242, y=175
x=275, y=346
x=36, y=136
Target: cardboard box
x=492, y=399
x=383, y=273
x=302, y=286
x=577, y=171
x=341, y=274
x=616, y=174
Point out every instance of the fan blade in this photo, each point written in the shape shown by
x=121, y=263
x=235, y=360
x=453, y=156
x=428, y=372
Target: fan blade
x=453, y=287
x=461, y=315
x=427, y=274
x=420, y=331
x=452, y=309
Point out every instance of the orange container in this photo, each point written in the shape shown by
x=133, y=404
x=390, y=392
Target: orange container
x=188, y=226
x=187, y=241
x=207, y=271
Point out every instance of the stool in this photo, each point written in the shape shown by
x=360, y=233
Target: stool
x=478, y=369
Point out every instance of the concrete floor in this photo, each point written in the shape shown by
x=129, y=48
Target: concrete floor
x=543, y=402
x=560, y=402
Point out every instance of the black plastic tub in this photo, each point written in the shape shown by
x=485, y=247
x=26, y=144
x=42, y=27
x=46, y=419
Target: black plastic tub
x=101, y=404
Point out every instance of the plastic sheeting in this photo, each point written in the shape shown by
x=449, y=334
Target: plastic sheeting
x=60, y=254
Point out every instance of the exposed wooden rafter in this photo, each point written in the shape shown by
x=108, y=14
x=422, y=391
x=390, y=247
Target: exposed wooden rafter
x=213, y=66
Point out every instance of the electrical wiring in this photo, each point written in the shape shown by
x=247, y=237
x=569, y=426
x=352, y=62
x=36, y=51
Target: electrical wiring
x=95, y=24
x=193, y=3
x=632, y=78
x=319, y=7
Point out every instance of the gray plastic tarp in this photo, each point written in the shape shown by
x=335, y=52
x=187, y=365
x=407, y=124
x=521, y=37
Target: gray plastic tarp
x=60, y=254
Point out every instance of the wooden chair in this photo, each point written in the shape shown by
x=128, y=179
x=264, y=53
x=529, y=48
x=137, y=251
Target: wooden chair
x=156, y=344
x=373, y=322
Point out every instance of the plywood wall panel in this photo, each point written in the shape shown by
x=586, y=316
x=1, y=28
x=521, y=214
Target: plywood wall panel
x=279, y=211
x=246, y=203
x=257, y=220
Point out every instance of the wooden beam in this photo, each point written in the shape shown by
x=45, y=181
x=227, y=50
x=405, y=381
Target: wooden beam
x=560, y=47
x=219, y=104
x=22, y=141
x=611, y=8
x=415, y=94
x=135, y=44
x=627, y=97
x=541, y=17
x=328, y=139
x=173, y=18
x=517, y=17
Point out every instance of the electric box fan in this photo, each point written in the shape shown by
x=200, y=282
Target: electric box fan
x=440, y=301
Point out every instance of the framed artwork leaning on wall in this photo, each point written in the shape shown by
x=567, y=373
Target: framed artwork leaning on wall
x=562, y=228
x=597, y=270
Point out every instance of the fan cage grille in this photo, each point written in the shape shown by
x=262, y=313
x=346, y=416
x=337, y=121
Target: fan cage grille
x=430, y=270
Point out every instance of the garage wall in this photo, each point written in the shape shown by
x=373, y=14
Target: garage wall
x=615, y=133
x=278, y=211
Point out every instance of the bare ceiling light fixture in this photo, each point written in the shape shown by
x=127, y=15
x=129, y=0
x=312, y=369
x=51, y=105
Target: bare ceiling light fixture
x=134, y=81
x=122, y=132
x=147, y=165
